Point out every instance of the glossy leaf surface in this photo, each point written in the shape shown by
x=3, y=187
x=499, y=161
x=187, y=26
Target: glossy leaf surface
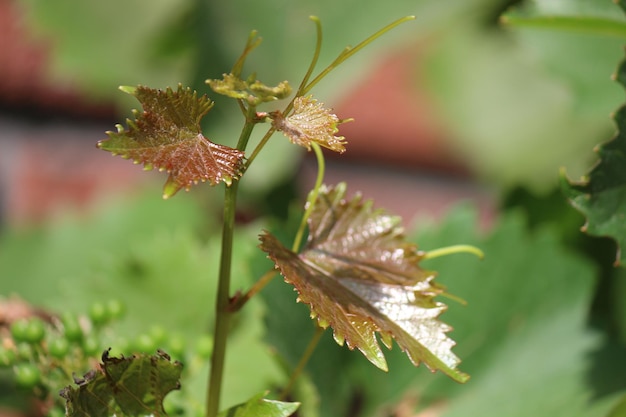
x=310, y=122
x=259, y=406
x=360, y=276
x=124, y=386
x=167, y=136
x=601, y=196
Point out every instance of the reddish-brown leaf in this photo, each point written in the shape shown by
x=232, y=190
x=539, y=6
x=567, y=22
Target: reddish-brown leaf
x=167, y=136
x=360, y=276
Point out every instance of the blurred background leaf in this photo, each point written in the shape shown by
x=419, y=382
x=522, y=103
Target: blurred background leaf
x=544, y=327
x=521, y=101
x=160, y=260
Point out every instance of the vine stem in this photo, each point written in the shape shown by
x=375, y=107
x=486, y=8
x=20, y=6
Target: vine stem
x=223, y=307
x=222, y=313
x=222, y=310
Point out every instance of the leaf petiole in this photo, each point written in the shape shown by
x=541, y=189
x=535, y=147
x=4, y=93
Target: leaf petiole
x=310, y=203
x=239, y=302
x=304, y=359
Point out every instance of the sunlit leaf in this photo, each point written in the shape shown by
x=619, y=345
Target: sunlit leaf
x=124, y=386
x=360, y=276
x=258, y=406
x=310, y=122
x=167, y=136
x=601, y=196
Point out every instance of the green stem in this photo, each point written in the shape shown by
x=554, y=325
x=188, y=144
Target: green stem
x=316, y=55
x=304, y=359
x=267, y=277
x=258, y=286
x=310, y=203
x=260, y=146
x=222, y=313
x=349, y=51
x=222, y=310
x=450, y=250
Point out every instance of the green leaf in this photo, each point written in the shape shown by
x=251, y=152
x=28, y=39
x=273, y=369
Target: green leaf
x=598, y=17
x=557, y=79
x=620, y=409
x=133, y=386
x=310, y=122
x=167, y=136
x=601, y=196
x=258, y=406
x=117, y=253
x=525, y=331
x=359, y=276
x=91, y=50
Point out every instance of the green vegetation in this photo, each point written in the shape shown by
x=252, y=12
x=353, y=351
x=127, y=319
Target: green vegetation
x=138, y=304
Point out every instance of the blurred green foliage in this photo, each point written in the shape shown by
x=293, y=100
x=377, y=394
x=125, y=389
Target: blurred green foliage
x=544, y=329
x=523, y=100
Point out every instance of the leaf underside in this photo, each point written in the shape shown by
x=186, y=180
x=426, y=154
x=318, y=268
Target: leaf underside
x=167, y=136
x=124, y=386
x=601, y=197
x=360, y=276
x=259, y=406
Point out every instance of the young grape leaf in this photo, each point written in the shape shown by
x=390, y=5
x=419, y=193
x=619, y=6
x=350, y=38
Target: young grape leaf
x=253, y=91
x=125, y=386
x=310, y=122
x=601, y=197
x=359, y=275
x=259, y=406
x=167, y=136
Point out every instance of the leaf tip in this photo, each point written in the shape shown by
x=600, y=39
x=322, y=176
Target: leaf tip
x=170, y=188
x=128, y=89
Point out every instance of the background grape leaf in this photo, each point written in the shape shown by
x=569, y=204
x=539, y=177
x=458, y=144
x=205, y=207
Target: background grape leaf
x=359, y=275
x=259, y=406
x=555, y=74
x=124, y=386
x=601, y=196
x=598, y=18
x=117, y=253
x=167, y=135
